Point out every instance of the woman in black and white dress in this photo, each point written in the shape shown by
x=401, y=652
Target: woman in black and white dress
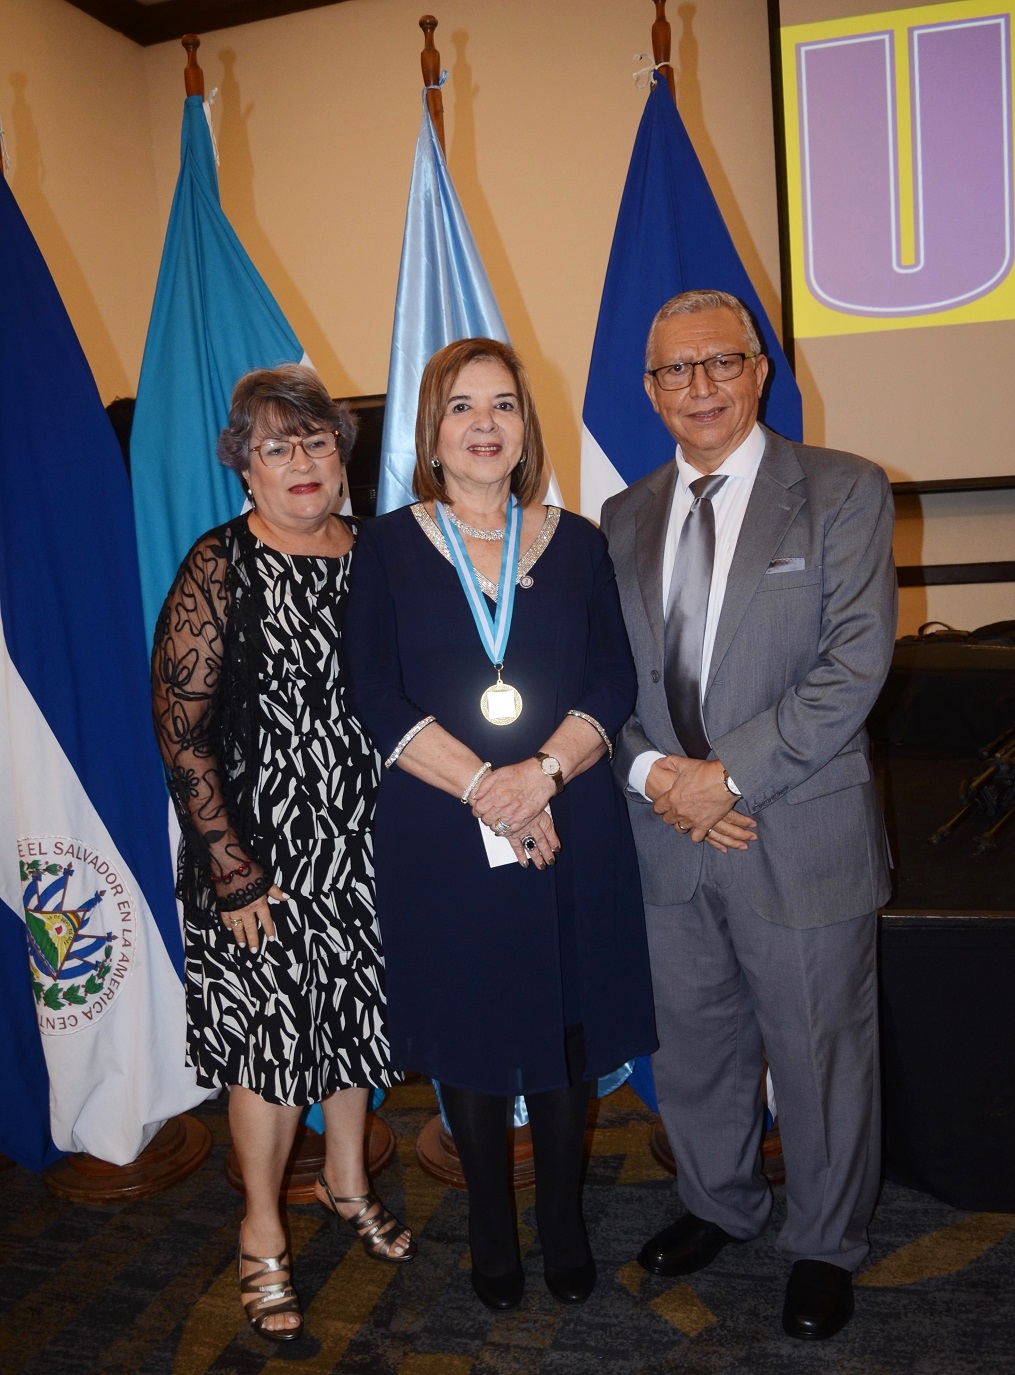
x=274, y=783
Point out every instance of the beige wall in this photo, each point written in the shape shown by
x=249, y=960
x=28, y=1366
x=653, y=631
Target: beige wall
x=316, y=123
x=74, y=107
x=541, y=112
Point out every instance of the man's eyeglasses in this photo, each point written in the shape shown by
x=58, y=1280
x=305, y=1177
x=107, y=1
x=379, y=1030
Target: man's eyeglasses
x=723, y=367
x=276, y=453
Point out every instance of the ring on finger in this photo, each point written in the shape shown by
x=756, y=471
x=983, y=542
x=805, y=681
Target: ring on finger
x=682, y=829
x=501, y=828
x=528, y=844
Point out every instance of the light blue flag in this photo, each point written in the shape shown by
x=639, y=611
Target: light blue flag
x=91, y=960
x=443, y=295
x=670, y=237
x=213, y=319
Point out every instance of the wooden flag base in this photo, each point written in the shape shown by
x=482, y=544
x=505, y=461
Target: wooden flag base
x=306, y=1160
x=436, y=1152
x=175, y=1152
x=771, y=1154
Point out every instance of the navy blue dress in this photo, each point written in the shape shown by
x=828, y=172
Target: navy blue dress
x=485, y=967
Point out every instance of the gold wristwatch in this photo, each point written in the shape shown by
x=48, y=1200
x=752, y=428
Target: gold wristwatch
x=551, y=767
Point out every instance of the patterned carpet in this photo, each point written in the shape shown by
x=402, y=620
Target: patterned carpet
x=149, y=1288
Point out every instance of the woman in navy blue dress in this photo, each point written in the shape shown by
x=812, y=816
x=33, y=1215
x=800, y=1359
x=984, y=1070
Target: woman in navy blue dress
x=507, y=882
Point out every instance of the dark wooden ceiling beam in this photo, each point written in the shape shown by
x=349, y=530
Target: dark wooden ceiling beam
x=147, y=24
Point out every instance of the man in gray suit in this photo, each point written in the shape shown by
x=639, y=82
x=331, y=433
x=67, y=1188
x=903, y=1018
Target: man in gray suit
x=761, y=606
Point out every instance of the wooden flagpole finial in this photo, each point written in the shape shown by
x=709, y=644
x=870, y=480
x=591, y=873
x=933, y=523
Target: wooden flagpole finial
x=193, y=77
x=661, y=46
x=430, y=62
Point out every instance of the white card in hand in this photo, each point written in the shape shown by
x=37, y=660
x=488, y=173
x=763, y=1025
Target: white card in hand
x=498, y=848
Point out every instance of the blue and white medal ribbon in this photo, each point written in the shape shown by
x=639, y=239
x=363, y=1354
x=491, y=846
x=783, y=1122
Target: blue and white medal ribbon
x=500, y=703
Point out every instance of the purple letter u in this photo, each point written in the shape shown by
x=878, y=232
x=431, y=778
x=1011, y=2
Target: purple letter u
x=962, y=173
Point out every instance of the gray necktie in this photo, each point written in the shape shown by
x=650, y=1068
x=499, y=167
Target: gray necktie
x=685, y=618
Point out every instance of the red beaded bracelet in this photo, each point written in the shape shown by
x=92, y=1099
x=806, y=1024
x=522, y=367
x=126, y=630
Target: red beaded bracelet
x=241, y=872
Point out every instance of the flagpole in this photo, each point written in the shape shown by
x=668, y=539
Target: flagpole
x=661, y=46
x=430, y=62
x=193, y=76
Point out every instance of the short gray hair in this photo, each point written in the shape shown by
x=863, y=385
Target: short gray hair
x=290, y=399
x=691, y=302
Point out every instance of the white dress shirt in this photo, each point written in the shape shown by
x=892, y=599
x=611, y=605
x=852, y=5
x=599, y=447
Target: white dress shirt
x=728, y=505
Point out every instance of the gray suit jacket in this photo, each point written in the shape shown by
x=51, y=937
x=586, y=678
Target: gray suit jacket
x=802, y=648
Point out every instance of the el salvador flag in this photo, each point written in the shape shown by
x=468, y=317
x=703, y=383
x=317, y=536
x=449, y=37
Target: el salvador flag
x=443, y=294
x=91, y=961
x=670, y=237
x=213, y=319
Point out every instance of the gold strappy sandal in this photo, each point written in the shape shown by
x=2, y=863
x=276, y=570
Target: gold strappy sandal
x=378, y=1232
x=269, y=1299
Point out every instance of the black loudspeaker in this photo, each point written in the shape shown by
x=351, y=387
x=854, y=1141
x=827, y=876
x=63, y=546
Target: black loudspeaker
x=121, y=417
x=948, y=934
x=365, y=459
x=949, y=1056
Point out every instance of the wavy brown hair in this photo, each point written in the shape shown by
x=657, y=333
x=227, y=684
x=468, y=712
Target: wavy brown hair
x=436, y=385
x=282, y=401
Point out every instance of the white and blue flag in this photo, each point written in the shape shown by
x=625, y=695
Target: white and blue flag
x=91, y=960
x=670, y=237
x=213, y=319
x=443, y=294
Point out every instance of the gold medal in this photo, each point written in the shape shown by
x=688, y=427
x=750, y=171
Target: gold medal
x=501, y=704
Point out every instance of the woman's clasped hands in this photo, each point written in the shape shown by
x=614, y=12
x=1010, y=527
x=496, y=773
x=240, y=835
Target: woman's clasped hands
x=512, y=801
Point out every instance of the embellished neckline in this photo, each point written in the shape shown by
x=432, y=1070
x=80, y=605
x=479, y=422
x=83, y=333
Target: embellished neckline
x=434, y=534
x=474, y=531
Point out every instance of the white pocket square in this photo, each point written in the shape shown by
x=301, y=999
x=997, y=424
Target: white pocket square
x=785, y=566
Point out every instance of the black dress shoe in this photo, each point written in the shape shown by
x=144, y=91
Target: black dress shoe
x=819, y=1300
x=499, y=1292
x=687, y=1245
x=571, y=1284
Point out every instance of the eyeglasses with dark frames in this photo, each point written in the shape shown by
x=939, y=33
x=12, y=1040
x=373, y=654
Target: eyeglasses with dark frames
x=721, y=367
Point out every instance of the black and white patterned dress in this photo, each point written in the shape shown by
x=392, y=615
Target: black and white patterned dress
x=305, y=1014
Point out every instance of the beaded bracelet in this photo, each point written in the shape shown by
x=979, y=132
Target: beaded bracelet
x=241, y=871
x=470, y=788
x=249, y=893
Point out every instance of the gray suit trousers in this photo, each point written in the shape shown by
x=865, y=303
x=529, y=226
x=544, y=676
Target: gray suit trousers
x=730, y=988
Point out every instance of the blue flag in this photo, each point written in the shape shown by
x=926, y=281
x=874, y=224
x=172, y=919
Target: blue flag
x=91, y=995
x=443, y=295
x=670, y=237
x=212, y=320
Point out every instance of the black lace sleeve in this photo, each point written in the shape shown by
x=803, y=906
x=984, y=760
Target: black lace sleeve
x=188, y=672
